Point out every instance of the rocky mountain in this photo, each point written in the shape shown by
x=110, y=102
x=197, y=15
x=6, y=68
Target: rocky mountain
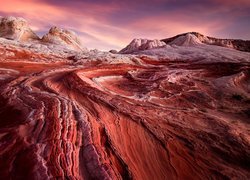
x=142, y=44
x=16, y=29
x=64, y=37
x=241, y=45
x=191, y=39
x=186, y=40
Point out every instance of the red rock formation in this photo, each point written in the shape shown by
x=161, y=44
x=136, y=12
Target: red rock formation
x=62, y=37
x=164, y=120
x=94, y=115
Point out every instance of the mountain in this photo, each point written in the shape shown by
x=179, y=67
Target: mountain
x=192, y=44
x=186, y=40
x=64, y=37
x=241, y=45
x=142, y=44
x=186, y=47
x=16, y=29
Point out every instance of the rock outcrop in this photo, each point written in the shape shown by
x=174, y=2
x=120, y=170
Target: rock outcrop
x=16, y=29
x=63, y=37
x=186, y=40
x=142, y=44
x=113, y=51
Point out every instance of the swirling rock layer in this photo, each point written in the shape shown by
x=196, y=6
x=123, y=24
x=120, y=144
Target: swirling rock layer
x=152, y=120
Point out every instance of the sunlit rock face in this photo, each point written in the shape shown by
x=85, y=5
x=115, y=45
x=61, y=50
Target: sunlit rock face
x=153, y=115
x=63, y=37
x=16, y=29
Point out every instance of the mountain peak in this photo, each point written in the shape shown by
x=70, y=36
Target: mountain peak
x=142, y=44
x=62, y=36
x=186, y=40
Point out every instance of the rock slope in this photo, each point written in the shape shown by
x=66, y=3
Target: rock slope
x=186, y=40
x=62, y=37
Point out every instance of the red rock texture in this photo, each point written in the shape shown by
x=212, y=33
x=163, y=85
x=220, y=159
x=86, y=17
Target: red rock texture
x=157, y=120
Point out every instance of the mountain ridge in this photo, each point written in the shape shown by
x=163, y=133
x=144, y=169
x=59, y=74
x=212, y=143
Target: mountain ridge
x=17, y=28
x=238, y=44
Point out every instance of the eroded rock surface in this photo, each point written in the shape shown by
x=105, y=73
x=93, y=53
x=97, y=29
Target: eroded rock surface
x=63, y=37
x=171, y=112
x=147, y=119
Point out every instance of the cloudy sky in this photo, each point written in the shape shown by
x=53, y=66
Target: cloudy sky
x=112, y=24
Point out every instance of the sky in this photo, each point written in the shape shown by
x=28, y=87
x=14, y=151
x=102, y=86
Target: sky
x=112, y=24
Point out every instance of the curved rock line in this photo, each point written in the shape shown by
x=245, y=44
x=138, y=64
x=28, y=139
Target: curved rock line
x=125, y=122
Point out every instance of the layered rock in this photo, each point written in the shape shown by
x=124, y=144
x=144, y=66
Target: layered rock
x=153, y=120
x=145, y=117
x=142, y=44
x=16, y=29
x=63, y=37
